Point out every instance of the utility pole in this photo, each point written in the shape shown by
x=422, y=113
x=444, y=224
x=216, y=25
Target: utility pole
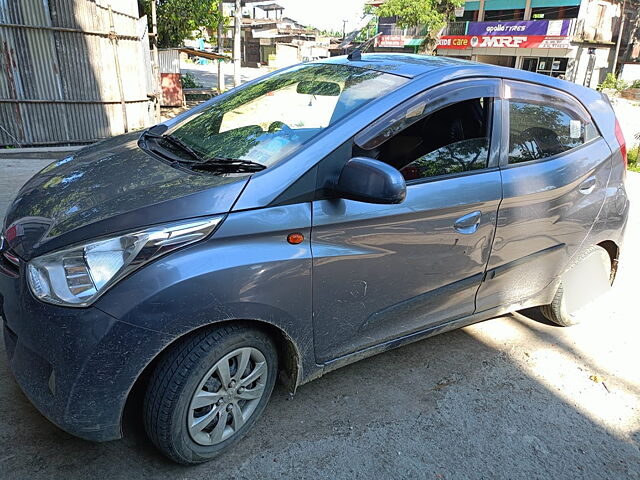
x=221, y=85
x=156, y=58
x=615, y=57
x=236, y=43
x=344, y=36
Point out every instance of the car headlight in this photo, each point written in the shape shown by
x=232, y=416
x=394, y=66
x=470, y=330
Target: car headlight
x=77, y=276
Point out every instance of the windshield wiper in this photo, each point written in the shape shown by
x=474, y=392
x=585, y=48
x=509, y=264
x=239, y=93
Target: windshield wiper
x=200, y=162
x=178, y=143
x=223, y=163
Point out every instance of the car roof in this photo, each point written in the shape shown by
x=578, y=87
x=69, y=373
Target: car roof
x=404, y=64
x=443, y=68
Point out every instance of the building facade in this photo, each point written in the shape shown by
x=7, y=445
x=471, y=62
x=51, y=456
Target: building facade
x=268, y=37
x=280, y=42
x=571, y=39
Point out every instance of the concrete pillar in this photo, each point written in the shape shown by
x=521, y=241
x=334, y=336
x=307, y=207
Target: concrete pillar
x=527, y=10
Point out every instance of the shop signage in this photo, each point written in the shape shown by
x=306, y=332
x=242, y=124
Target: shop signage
x=556, y=28
x=463, y=42
x=390, y=41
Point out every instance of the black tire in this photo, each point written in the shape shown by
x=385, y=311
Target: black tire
x=178, y=376
x=557, y=311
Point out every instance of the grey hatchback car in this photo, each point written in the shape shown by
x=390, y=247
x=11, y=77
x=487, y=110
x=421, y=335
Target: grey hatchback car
x=308, y=219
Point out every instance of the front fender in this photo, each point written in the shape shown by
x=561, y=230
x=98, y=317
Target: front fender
x=246, y=271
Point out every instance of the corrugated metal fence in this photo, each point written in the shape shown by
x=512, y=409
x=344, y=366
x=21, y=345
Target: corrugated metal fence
x=67, y=68
x=169, y=59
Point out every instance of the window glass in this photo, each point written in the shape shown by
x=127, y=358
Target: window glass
x=285, y=105
x=453, y=139
x=274, y=117
x=538, y=131
x=511, y=14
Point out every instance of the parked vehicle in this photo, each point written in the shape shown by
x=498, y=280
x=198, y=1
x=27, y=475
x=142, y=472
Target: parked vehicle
x=300, y=222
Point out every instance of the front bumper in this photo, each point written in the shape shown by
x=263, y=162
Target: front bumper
x=76, y=365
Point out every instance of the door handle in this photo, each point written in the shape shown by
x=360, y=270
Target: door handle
x=468, y=224
x=587, y=186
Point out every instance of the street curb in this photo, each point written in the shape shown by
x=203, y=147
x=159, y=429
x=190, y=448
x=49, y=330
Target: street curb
x=11, y=151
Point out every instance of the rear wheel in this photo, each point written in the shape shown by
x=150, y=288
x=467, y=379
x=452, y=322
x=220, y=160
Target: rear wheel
x=208, y=390
x=586, y=279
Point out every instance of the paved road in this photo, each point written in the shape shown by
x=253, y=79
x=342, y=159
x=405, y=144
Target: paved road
x=628, y=113
x=207, y=75
x=14, y=172
x=509, y=398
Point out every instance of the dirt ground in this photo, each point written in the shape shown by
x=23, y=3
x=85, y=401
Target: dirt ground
x=513, y=397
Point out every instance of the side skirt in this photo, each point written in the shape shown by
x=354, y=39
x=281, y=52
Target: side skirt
x=410, y=338
x=540, y=298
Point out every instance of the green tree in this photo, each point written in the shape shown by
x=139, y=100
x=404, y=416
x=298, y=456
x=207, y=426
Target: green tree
x=432, y=14
x=181, y=19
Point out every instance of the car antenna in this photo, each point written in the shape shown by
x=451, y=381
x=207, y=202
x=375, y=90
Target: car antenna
x=356, y=55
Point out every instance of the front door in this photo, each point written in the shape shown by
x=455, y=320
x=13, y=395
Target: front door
x=383, y=271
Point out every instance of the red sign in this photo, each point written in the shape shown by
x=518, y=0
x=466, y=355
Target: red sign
x=390, y=41
x=463, y=42
x=460, y=42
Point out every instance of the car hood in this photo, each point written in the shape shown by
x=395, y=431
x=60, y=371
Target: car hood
x=106, y=188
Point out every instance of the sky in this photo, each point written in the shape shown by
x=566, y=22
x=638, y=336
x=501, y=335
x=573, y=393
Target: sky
x=325, y=14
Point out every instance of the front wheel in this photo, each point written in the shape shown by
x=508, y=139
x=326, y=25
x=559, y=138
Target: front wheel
x=208, y=390
x=586, y=279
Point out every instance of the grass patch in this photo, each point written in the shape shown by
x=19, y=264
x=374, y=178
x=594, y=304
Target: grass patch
x=632, y=157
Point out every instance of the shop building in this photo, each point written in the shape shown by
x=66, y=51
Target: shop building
x=571, y=39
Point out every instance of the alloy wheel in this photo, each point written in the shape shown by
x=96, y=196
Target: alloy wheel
x=227, y=396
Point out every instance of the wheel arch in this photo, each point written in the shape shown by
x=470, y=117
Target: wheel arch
x=613, y=250
x=289, y=358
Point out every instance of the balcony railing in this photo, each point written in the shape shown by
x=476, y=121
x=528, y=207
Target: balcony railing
x=586, y=31
x=455, y=28
x=393, y=29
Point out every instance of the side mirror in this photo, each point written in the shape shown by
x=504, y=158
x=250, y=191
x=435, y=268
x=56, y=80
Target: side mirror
x=372, y=181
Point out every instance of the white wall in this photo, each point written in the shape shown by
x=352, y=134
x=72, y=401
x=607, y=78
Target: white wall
x=630, y=72
x=594, y=26
x=577, y=68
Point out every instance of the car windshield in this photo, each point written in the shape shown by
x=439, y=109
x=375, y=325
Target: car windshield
x=273, y=118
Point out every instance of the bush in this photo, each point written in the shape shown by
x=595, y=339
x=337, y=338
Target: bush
x=632, y=158
x=189, y=81
x=612, y=82
x=635, y=84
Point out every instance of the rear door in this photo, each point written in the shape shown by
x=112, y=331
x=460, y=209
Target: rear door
x=382, y=271
x=555, y=167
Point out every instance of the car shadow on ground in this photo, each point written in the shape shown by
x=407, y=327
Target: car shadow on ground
x=452, y=406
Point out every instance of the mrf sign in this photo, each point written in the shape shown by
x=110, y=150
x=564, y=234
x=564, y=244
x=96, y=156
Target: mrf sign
x=463, y=42
x=525, y=34
x=551, y=28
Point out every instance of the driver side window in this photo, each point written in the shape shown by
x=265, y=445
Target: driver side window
x=451, y=140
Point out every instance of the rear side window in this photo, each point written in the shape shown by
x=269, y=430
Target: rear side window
x=539, y=130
